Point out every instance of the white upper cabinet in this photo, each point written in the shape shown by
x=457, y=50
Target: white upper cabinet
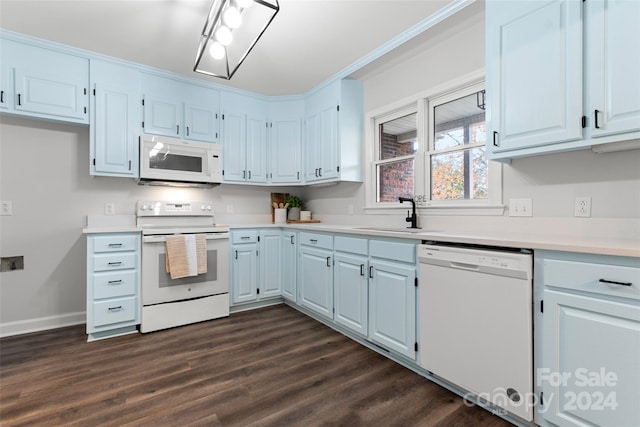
x=541, y=99
x=534, y=73
x=285, y=141
x=334, y=122
x=43, y=83
x=115, y=119
x=180, y=110
x=244, y=138
x=612, y=59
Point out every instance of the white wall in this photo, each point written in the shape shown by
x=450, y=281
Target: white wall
x=44, y=171
x=552, y=181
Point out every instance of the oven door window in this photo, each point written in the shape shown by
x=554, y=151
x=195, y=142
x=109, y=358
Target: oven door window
x=211, y=275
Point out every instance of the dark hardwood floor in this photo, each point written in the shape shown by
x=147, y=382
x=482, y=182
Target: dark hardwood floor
x=268, y=367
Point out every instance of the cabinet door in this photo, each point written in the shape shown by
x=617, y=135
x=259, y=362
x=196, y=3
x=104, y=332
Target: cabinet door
x=392, y=306
x=288, y=265
x=6, y=73
x=256, y=149
x=534, y=73
x=161, y=115
x=351, y=291
x=612, y=66
x=244, y=272
x=591, y=361
x=51, y=84
x=312, y=147
x=200, y=123
x=114, y=120
x=234, y=146
x=270, y=262
x=316, y=280
x=285, y=144
x=321, y=145
x=329, y=143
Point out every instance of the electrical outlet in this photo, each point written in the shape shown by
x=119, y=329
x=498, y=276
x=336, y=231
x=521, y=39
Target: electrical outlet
x=5, y=207
x=520, y=207
x=582, y=207
x=109, y=209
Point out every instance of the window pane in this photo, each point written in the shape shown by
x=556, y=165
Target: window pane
x=454, y=120
x=398, y=137
x=395, y=180
x=459, y=175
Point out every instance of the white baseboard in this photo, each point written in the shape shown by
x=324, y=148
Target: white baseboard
x=19, y=327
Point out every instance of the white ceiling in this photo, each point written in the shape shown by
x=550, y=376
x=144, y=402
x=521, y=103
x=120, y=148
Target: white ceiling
x=308, y=42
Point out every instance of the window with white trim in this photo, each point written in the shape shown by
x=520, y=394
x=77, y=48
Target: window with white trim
x=456, y=156
x=396, y=147
x=434, y=150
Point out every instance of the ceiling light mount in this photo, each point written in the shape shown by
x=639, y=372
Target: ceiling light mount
x=231, y=30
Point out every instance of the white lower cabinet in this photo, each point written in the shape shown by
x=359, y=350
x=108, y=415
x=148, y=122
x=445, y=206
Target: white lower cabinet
x=269, y=260
x=373, y=289
x=315, y=265
x=113, y=284
x=288, y=264
x=244, y=266
x=392, y=307
x=351, y=284
x=255, y=265
x=590, y=368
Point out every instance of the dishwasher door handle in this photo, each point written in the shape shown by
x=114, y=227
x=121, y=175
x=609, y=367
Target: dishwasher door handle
x=463, y=266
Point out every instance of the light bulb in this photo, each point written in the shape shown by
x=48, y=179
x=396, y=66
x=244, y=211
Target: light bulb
x=223, y=36
x=216, y=50
x=244, y=3
x=232, y=17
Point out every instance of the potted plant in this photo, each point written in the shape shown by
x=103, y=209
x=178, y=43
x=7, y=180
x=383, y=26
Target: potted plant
x=295, y=204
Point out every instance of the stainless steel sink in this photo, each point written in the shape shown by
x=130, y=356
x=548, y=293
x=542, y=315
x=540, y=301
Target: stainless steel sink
x=392, y=229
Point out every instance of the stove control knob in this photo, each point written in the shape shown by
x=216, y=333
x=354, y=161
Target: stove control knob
x=143, y=207
x=209, y=207
x=202, y=207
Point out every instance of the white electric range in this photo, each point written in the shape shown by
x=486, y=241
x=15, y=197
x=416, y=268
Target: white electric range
x=170, y=302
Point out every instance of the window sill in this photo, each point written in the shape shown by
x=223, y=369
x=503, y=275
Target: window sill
x=448, y=209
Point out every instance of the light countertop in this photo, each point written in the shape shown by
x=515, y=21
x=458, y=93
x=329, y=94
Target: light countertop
x=582, y=244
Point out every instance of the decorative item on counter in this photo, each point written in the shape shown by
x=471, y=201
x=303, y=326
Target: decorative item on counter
x=276, y=199
x=305, y=215
x=295, y=203
x=280, y=216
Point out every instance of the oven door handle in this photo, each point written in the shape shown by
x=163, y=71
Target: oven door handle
x=159, y=238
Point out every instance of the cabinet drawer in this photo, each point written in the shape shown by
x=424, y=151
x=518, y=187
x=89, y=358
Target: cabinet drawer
x=110, y=285
x=405, y=252
x=601, y=279
x=316, y=240
x=115, y=243
x=244, y=236
x=353, y=245
x=116, y=261
x=114, y=311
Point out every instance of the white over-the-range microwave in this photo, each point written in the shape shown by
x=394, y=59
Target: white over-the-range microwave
x=177, y=162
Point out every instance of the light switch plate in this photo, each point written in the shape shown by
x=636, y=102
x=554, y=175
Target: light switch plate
x=520, y=207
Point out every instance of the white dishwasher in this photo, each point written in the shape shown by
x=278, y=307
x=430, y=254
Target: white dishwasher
x=476, y=322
